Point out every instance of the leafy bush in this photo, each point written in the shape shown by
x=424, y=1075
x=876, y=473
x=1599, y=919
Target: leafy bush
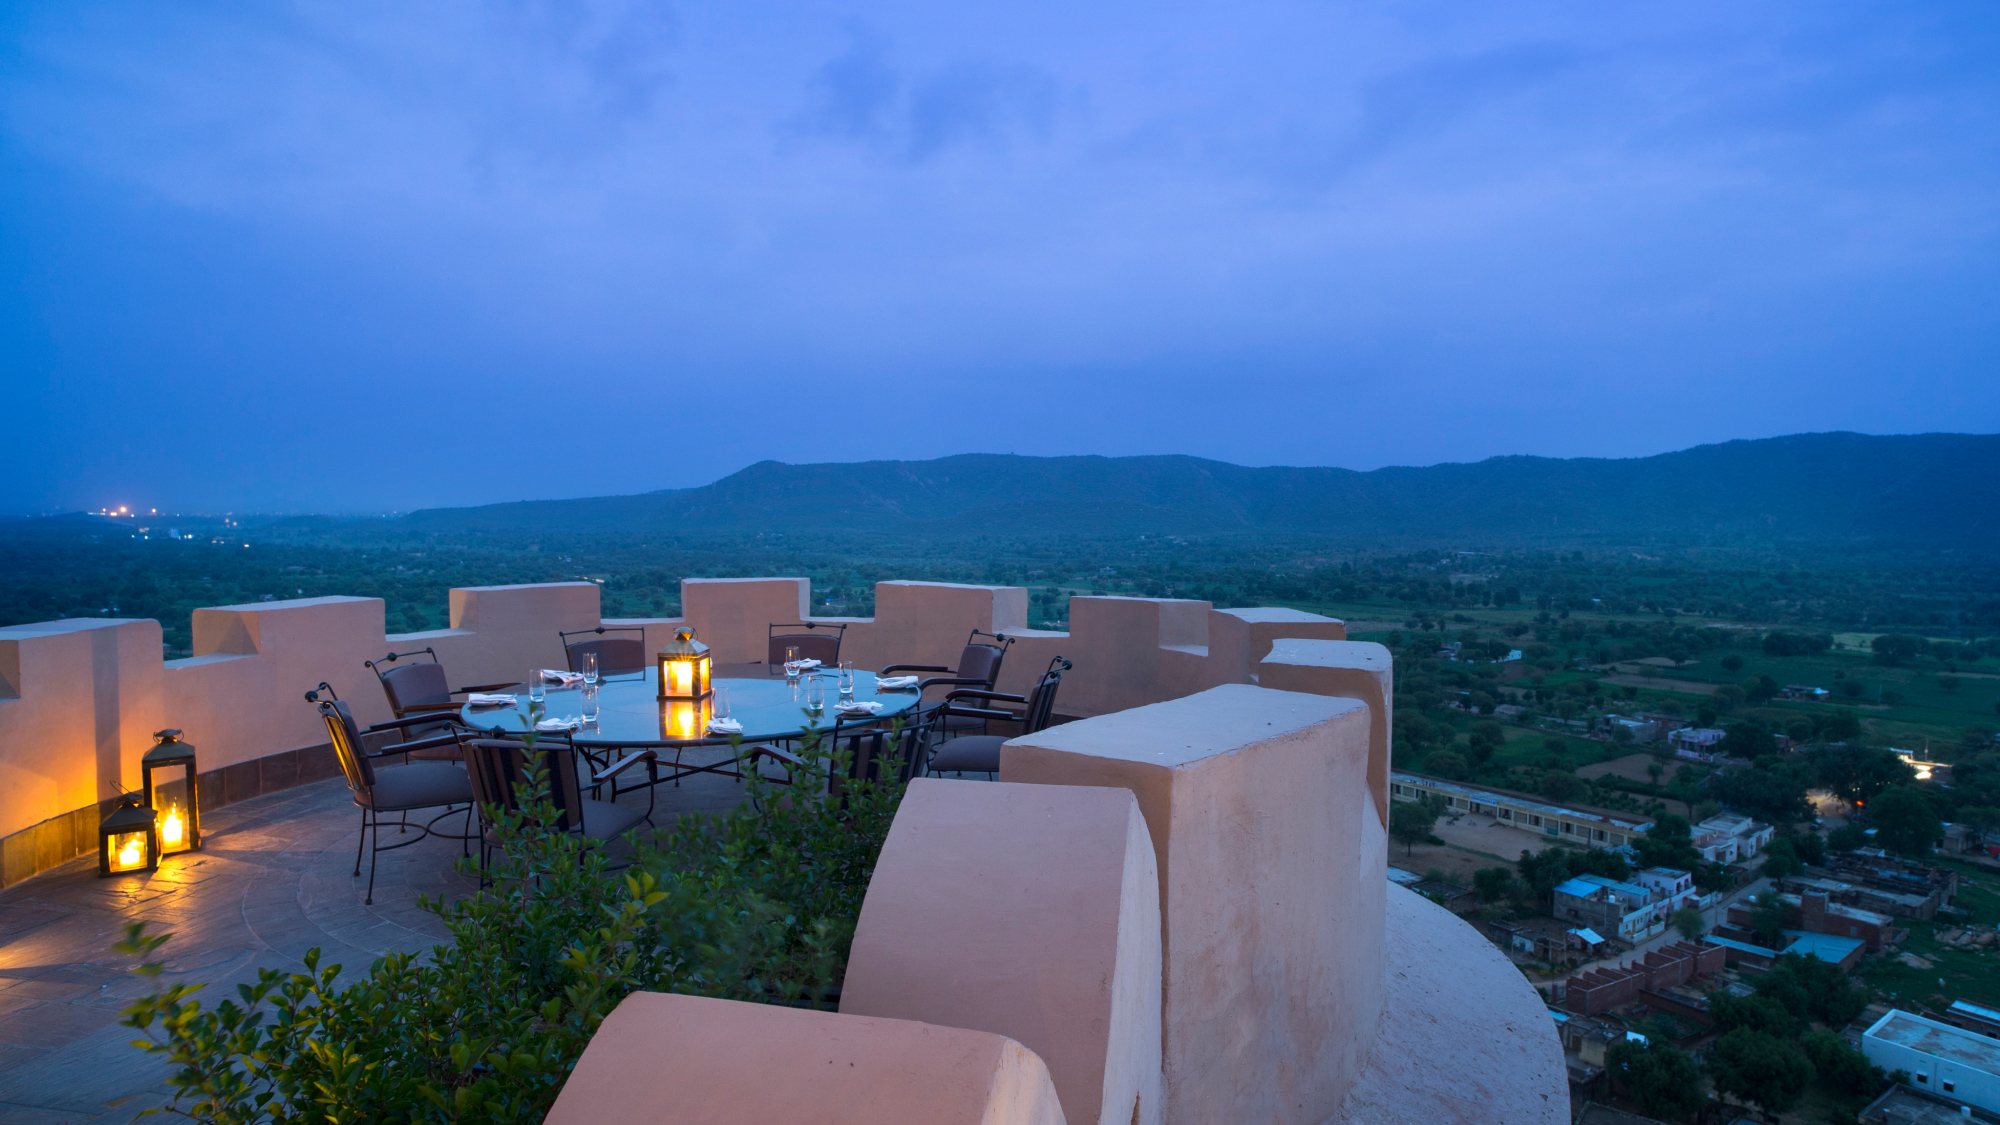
x=756, y=904
x=1662, y=1078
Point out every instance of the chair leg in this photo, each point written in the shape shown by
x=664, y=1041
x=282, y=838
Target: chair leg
x=361, y=843
x=374, y=854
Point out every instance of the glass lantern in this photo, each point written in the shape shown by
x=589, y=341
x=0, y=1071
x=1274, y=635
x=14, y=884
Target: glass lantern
x=684, y=667
x=682, y=720
x=127, y=841
x=172, y=792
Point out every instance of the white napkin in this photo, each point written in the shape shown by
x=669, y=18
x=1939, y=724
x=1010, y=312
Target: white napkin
x=860, y=707
x=481, y=699
x=559, y=724
x=805, y=665
x=894, y=682
x=562, y=679
x=724, y=726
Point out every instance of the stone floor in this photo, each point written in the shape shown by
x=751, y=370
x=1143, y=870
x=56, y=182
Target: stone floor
x=274, y=878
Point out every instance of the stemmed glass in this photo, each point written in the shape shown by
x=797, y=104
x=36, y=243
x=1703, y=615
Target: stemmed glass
x=847, y=681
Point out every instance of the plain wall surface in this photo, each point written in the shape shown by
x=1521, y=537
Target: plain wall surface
x=1267, y=840
x=660, y=1059
x=1031, y=911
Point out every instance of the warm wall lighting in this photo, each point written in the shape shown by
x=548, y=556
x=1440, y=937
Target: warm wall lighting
x=684, y=667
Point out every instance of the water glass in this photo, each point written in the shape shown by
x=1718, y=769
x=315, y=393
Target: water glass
x=846, y=681
x=537, y=690
x=590, y=705
x=590, y=669
x=815, y=694
x=720, y=704
x=791, y=662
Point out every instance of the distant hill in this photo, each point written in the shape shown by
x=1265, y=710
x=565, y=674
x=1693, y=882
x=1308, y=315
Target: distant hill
x=1827, y=488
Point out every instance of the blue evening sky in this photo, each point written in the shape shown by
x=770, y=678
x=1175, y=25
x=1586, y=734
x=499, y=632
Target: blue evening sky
x=367, y=256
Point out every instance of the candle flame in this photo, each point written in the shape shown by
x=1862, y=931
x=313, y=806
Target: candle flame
x=133, y=852
x=170, y=832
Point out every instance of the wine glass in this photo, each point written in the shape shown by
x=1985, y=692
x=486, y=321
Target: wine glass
x=791, y=662
x=590, y=670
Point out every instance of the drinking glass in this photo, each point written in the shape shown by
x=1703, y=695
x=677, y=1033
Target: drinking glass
x=590, y=705
x=791, y=662
x=721, y=703
x=846, y=681
x=537, y=690
x=590, y=669
x=815, y=694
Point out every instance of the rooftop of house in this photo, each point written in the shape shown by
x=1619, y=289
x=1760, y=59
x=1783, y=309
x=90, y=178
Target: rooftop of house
x=1939, y=1040
x=1906, y=1105
x=1831, y=948
x=1584, y=886
x=1520, y=800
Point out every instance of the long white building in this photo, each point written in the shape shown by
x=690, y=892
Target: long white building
x=1947, y=1061
x=1516, y=810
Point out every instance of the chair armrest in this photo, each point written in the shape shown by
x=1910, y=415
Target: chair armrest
x=911, y=668
x=974, y=693
x=408, y=721
x=934, y=681
x=621, y=765
x=979, y=713
x=420, y=744
x=484, y=687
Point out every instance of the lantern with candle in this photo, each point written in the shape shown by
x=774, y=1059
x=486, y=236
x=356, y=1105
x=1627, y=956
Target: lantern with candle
x=684, y=668
x=174, y=794
x=127, y=840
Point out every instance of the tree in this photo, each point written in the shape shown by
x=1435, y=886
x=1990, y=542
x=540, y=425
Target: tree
x=1767, y=918
x=1492, y=884
x=1561, y=785
x=1904, y=821
x=1841, y=726
x=1949, y=683
x=1732, y=663
x=1760, y=1068
x=1662, y=1078
x=1767, y=794
x=1760, y=688
x=1813, y=989
x=1688, y=922
x=1811, y=847
x=1841, y=1066
x=1544, y=872
x=1896, y=648
x=1448, y=763
x=1410, y=823
x=1781, y=859
x=1654, y=770
x=1857, y=773
x=1847, y=837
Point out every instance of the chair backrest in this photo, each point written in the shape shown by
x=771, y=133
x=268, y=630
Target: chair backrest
x=345, y=735
x=616, y=656
x=981, y=660
x=875, y=756
x=412, y=685
x=498, y=769
x=1042, y=703
x=817, y=642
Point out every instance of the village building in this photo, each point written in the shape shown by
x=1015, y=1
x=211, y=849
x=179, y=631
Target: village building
x=1949, y=1062
x=1533, y=815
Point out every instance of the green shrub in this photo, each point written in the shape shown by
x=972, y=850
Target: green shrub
x=756, y=904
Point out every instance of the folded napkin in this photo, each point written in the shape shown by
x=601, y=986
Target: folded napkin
x=724, y=726
x=562, y=679
x=559, y=724
x=481, y=699
x=803, y=665
x=894, y=682
x=858, y=707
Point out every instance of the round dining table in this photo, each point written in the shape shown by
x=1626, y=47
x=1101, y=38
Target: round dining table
x=630, y=714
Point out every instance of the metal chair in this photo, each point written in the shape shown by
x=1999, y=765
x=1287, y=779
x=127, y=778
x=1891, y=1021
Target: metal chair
x=980, y=753
x=405, y=789
x=418, y=689
x=819, y=642
x=616, y=656
x=499, y=769
x=978, y=667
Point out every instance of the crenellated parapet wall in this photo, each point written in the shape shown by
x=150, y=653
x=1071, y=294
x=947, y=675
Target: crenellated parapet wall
x=79, y=699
